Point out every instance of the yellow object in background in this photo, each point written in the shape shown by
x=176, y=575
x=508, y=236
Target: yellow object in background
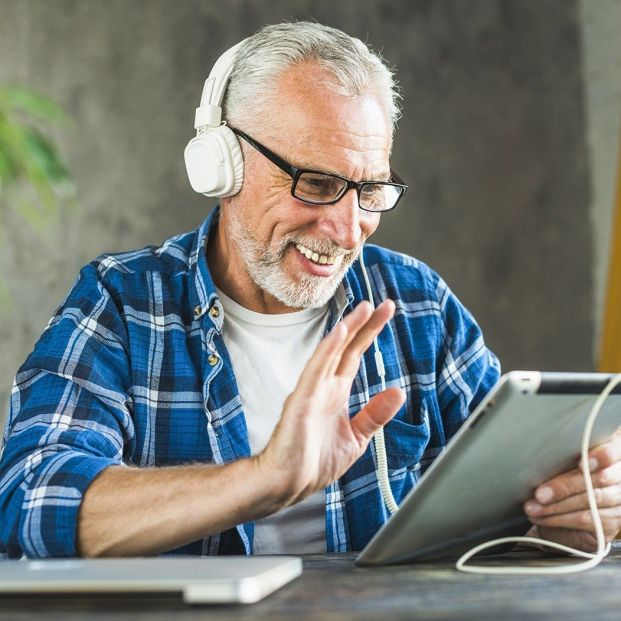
x=610, y=350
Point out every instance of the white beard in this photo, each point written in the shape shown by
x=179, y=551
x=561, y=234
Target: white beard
x=264, y=266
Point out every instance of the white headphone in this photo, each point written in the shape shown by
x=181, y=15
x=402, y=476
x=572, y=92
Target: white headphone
x=213, y=158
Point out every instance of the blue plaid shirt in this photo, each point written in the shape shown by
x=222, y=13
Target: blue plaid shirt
x=132, y=369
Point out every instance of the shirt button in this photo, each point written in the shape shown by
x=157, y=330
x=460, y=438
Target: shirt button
x=213, y=360
x=197, y=311
x=214, y=311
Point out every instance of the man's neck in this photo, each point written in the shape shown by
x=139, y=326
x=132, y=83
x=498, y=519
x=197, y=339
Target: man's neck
x=221, y=261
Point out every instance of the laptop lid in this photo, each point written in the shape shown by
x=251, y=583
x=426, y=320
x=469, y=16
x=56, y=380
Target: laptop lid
x=200, y=580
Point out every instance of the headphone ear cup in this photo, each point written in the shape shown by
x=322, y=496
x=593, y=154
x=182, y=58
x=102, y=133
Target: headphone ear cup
x=214, y=163
x=237, y=159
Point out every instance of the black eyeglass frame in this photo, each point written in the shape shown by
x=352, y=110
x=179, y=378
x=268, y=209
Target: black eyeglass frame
x=295, y=174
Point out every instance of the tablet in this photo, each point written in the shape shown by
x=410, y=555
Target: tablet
x=528, y=429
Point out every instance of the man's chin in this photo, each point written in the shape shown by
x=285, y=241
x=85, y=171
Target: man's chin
x=307, y=293
x=294, y=287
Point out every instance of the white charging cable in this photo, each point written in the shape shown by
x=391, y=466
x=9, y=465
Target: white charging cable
x=593, y=559
x=378, y=438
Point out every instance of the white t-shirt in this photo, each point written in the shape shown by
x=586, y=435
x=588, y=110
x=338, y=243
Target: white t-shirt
x=268, y=353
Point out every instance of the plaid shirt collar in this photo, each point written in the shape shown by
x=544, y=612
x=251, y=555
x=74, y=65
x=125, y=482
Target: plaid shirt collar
x=204, y=294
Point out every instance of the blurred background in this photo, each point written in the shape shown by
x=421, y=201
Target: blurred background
x=509, y=140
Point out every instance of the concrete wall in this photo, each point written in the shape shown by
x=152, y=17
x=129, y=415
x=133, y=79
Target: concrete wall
x=492, y=141
x=600, y=22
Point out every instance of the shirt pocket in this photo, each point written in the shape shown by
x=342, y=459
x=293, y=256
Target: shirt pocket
x=406, y=442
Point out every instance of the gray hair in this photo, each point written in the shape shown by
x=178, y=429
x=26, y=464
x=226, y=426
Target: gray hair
x=266, y=54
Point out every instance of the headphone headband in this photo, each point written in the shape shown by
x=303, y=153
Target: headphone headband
x=209, y=112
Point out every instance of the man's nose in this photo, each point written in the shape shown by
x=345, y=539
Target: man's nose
x=342, y=221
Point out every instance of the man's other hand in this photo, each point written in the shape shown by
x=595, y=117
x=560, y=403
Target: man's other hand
x=559, y=508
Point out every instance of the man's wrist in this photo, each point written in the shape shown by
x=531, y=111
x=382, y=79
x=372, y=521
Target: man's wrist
x=275, y=488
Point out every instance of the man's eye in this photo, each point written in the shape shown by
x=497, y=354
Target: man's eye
x=318, y=185
x=371, y=190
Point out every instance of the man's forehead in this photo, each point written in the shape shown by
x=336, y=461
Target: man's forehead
x=308, y=94
x=315, y=121
x=371, y=164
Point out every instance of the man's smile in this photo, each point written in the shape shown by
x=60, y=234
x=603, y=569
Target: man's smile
x=315, y=257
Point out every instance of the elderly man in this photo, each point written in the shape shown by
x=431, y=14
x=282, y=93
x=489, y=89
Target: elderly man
x=215, y=395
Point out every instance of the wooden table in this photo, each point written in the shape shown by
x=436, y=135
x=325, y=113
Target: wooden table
x=333, y=588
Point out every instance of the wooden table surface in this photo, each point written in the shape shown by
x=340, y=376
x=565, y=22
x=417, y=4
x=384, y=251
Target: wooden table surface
x=333, y=588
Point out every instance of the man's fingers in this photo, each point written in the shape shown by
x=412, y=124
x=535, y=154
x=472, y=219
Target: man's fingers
x=376, y=413
x=322, y=359
x=362, y=339
x=605, y=497
x=582, y=520
x=571, y=483
x=354, y=321
x=327, y=355
x=340, y=351
x=606, y=454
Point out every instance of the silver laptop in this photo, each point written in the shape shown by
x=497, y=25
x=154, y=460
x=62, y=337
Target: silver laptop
x=215, y=580
x=528, y=429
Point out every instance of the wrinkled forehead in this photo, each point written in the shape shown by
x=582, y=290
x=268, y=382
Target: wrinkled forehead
x=315, y=121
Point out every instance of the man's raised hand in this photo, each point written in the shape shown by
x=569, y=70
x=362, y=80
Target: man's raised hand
x=315, y=441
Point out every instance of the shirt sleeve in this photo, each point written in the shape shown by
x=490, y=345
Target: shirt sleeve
x=467, y=369
x=69, y=419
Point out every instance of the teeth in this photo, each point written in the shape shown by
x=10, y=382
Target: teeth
x=315, y=257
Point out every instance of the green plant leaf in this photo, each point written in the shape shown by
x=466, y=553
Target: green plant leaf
x=10, y=161
x=44, y=156
x=8, y=171
x=19, y=99
x=34, y=181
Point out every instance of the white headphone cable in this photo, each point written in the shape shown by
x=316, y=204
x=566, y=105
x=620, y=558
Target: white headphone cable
x=593, y=559
x=378, y=438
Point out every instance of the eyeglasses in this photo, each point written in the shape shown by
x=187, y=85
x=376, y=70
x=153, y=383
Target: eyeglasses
x=320, y=188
